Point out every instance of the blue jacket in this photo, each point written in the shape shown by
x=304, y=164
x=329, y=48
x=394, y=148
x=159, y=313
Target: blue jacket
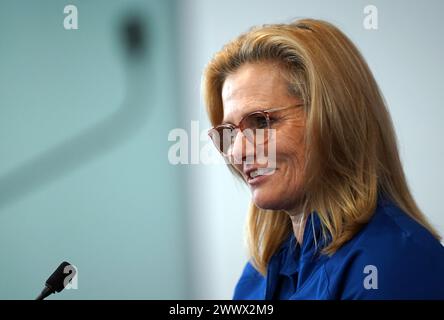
x=392, y=257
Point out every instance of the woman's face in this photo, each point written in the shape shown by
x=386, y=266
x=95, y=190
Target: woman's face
x=261, y=86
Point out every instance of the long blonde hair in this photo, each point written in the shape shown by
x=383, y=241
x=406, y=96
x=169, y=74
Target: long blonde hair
x=351, y=155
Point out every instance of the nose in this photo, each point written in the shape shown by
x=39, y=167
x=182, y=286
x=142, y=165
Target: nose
x=242, y=150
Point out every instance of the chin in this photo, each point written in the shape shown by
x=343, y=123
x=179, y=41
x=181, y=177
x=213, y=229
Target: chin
x=275, y=199
x=266, y=200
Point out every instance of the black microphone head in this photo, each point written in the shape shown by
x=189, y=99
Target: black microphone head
x=56, y=282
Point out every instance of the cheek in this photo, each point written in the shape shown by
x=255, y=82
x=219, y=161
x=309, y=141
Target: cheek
x=290, y=148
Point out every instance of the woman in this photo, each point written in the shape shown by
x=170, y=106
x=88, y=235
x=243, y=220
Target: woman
x=331, y=215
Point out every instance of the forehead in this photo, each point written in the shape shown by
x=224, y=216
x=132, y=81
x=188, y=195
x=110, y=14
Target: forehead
x=254, y=87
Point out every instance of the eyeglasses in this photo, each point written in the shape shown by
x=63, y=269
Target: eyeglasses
x=254, y=126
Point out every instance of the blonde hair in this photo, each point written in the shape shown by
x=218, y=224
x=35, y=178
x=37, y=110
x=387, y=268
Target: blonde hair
x=351, y=155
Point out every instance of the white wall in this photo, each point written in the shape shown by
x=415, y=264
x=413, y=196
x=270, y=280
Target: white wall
x=405, y=55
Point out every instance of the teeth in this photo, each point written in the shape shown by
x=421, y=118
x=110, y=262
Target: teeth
x=261, y=172
x=254, y=173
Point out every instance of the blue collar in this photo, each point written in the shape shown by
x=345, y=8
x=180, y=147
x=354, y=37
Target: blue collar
x=291, y=251
x=289, y=257
x=313, y=242
x=292, y=258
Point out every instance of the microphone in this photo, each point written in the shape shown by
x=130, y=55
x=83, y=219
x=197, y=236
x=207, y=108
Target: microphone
x=56, y=282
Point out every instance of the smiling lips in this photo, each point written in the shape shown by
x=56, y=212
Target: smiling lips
x=257, y=174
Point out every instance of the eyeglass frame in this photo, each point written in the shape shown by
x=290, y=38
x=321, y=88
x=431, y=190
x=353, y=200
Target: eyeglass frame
x=233, y=127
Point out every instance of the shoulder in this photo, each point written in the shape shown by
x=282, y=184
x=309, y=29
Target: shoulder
x=251, y=285
x=393, y=231
x=250, y=272
x=392, y=257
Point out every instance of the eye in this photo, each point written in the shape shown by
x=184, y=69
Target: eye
x=256, y=121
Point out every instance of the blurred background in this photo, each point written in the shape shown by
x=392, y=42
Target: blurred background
x=85, y=116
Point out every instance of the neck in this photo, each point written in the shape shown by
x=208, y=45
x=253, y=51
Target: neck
x=298, y=221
